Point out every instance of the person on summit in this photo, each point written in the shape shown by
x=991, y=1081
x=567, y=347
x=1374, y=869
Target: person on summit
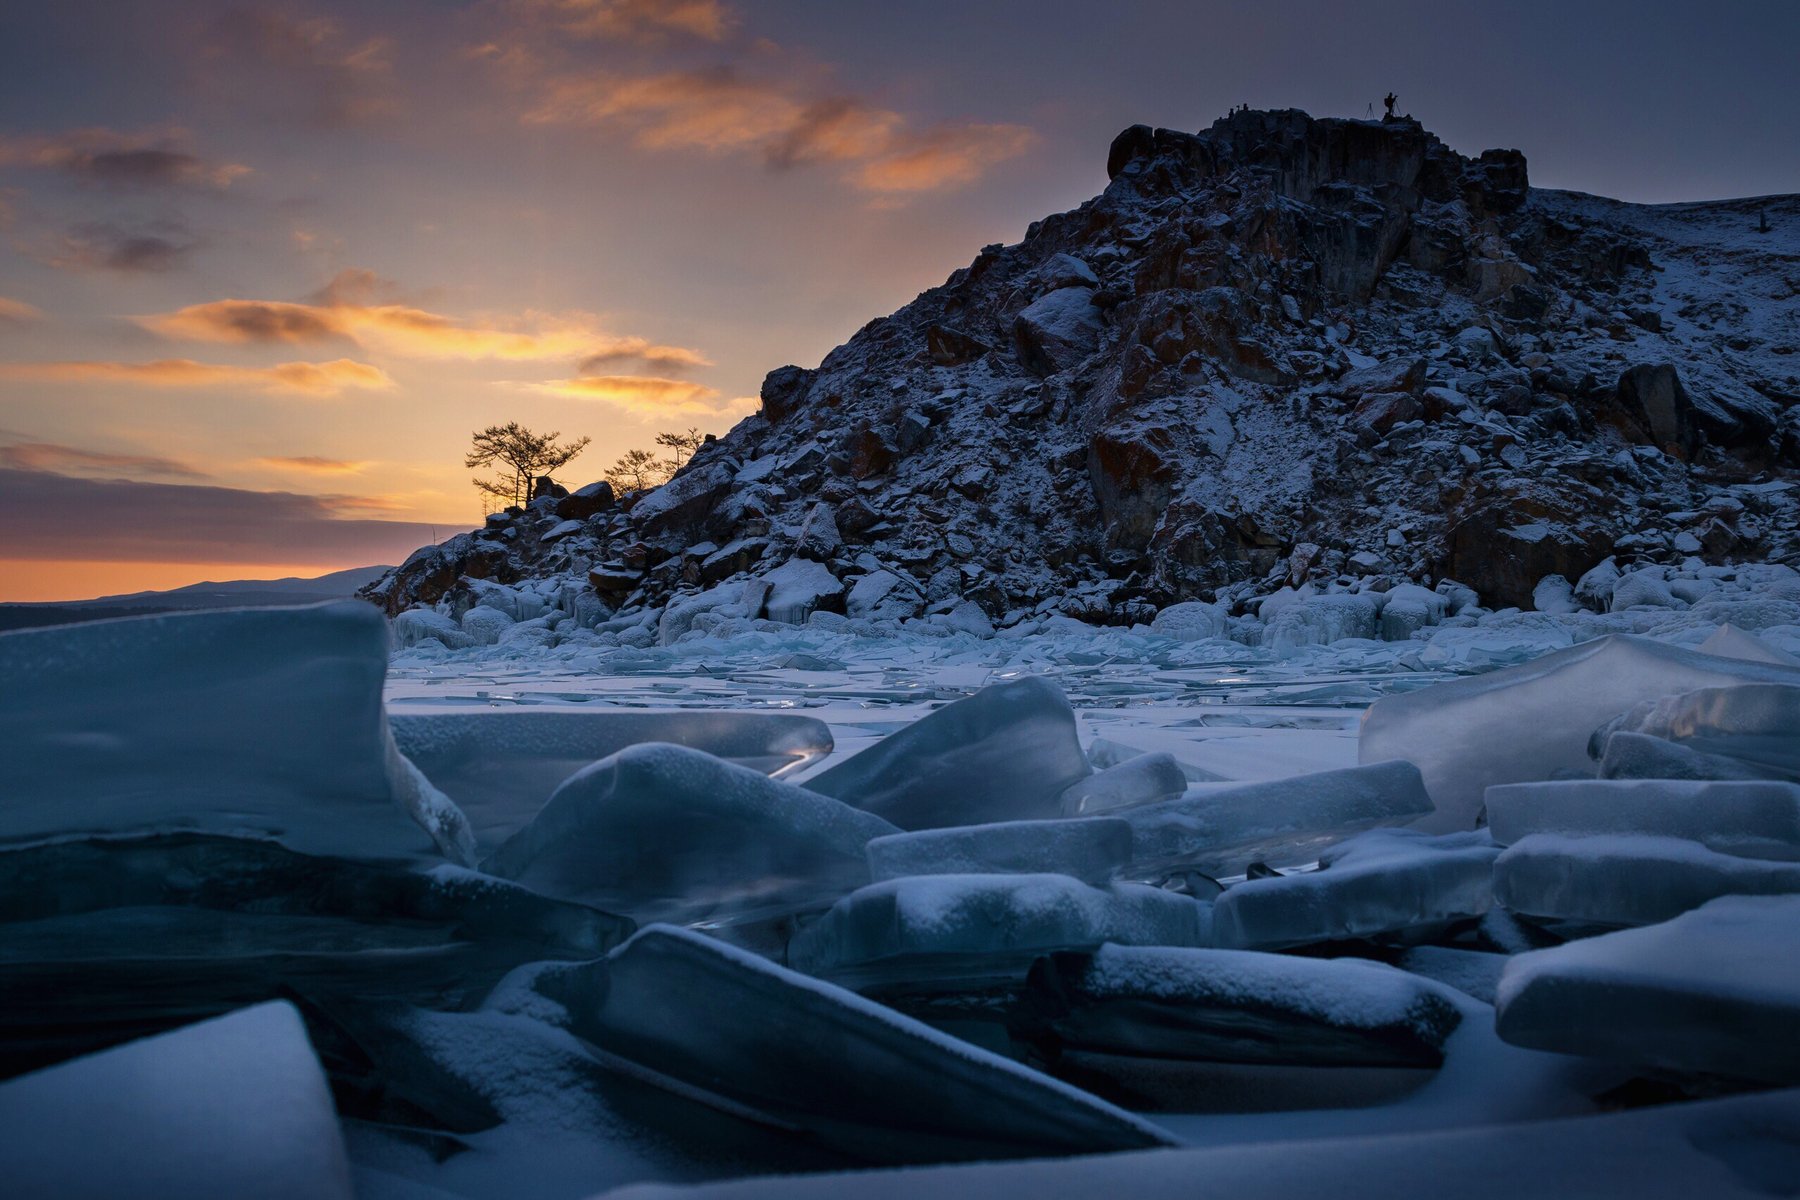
x=1390, y=99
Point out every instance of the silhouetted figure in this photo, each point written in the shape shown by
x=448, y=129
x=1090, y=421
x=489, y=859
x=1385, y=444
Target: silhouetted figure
x=1390, y=100
x=1762, y=220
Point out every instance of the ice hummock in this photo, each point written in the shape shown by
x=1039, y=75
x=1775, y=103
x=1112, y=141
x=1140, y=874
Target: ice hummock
x=1093, y=850
x=724, y=1026
x=1220, y=828
x=977, y=930
x=1711, y=991
x=1533, y=721
x=233, y=1106
x=1007, y=753
x=261, y=723
x=1386, y=881
x=1238, y=1006
x=662, y=832
x=501, y=765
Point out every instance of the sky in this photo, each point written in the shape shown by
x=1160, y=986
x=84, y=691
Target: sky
x=265, y=267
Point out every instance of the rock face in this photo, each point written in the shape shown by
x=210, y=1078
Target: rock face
x=1279, y=333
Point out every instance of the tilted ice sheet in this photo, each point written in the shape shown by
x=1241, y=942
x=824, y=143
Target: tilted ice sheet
x=719, y=1023
x=256, y=722
x=1383, y=881
x=663, y=832
x=1221, y=828
x=1005, y=753
x=984, y=928
x=234, y=1106
x=1092, y=849
x=1627, y=879
x=1532, y=721
x=1710, y=991
x=501, y=765
x=1757, y=818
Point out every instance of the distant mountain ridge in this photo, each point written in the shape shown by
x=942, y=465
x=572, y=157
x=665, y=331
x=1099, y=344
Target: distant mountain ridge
x=1282, y=351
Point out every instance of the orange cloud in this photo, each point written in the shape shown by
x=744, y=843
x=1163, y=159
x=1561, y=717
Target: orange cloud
x=17, y=312
x=413, y=332
x=706, y=110
x=644, y=392
x=127, y=160
x=637, y=20
x=720, y=111
x=943, y=156
x=313, y=463
x=308, y=378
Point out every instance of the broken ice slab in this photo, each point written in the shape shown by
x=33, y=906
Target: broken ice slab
x=1532, y=721
x=978, y=930
x=1092, y=850
x=253, y=723
x=1641, y=756
x=1237, y=1006
x=108, y=938
x=1755, y=723
x=1386, y=881
x=1754, y=818
x=721, y=1025
x=1007, y=753
x=1219, y=829
x=662, y=832
x=1716, y=991
x=500, y=766
x=1741, y=1148
x=1140, y=779
x=235, y=1106
x=1615, y=880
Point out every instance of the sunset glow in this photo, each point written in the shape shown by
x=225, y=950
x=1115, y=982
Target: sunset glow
x=280, y=259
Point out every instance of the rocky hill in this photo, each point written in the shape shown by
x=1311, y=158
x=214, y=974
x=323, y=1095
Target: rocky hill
x=1282, y=351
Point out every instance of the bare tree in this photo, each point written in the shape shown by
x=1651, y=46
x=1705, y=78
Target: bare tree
x=681, y=447
x=637, y=470
x=521, y=455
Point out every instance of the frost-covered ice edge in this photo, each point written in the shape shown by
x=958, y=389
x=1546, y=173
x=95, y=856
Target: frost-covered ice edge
x=512, y=929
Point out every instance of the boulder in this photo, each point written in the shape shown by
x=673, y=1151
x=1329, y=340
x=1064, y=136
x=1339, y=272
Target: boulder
x=1058, y=330
x=685, y=501
x=585, y=502
x=782, y=390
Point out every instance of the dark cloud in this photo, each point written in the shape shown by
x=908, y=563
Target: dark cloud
x=50, y=456
x=57, y=518
x=99, y=245
x=126, y=161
